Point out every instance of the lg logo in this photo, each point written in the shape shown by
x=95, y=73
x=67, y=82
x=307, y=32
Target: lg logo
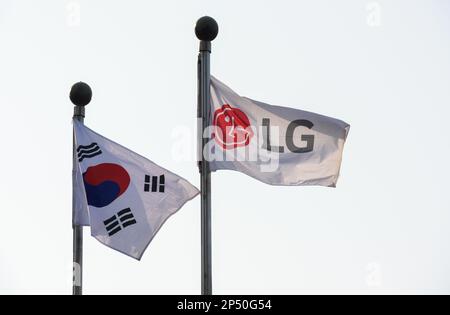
x=232, y=129
x=292, y=127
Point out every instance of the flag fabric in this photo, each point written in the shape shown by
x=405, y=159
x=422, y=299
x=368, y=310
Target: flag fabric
x=276, y=145
x=122, y=196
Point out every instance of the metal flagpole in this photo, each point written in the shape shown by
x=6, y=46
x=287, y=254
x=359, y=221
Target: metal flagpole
x=206, y=31
x=80, y=95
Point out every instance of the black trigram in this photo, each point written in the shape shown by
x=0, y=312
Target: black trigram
x=120, y=221
x=88, y=151
x=151, y=183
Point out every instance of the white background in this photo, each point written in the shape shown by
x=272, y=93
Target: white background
x=381, y=66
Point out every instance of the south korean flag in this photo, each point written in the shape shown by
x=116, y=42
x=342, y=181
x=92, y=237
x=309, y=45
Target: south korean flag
x=122, y=196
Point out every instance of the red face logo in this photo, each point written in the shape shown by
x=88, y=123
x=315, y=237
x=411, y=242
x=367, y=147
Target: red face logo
x=231, y=128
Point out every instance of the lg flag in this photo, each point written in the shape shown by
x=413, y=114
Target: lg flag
x=276, y=145
x=122, y=196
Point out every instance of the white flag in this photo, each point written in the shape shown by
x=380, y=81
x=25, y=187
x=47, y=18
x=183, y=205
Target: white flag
x=122, y=196
x=276, y=145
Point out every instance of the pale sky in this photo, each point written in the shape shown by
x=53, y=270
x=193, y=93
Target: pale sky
x=382, y=66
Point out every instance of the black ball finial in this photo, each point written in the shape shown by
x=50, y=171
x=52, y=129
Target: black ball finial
x=81, y=94
x=206, y=29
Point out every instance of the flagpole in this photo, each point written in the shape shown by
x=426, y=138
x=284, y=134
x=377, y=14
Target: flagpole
x=80, y=95
x=206, y=31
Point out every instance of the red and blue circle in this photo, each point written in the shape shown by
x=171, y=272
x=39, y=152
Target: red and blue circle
x=104, y=183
